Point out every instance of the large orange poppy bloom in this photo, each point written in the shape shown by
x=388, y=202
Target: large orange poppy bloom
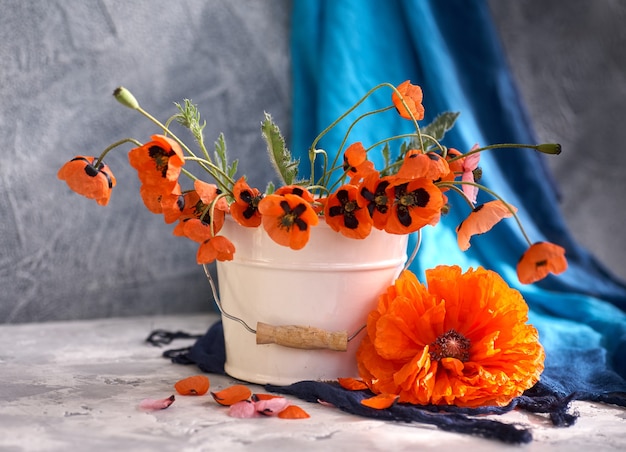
x=415, y=203
x=462, y=340
x=412, y=95
x=539, y=260
x=480, y=220
x=343, y=213
x=287, y=219
x=84, y=178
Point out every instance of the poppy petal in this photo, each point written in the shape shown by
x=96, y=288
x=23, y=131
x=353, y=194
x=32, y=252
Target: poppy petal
x=482, y=219
x=194, y=385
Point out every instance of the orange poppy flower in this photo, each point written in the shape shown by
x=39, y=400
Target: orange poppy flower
x=173, y=205
x=288, y=219
x=372, y=195
x=218, y=247
x=539, y=260
x=415, y=204
x=480, y=220
x=208, y=194
x=461, y=339
x=355, y=163
x=158, y=162
x=429, y=165
x=245, y=209
x=343, y=213
x=84, y=178
x=412, y=95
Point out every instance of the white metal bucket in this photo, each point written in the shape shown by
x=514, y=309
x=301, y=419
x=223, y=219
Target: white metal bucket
x=331, y=284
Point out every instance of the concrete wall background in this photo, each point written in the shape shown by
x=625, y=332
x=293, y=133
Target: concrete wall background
x=64, y=257
x=569, y=59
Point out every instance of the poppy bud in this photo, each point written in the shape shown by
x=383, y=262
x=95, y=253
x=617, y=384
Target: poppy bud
x=125, y=97
x=549, y=148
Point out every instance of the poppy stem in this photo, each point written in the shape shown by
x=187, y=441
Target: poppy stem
x=210, y=167
x=113, y=146
x=332, y=125
x=326, y=179
x=543, y=148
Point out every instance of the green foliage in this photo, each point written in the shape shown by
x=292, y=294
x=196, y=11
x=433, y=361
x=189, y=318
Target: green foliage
x=439, y=126
x=189, y=117
x=285, y=166
x=221, y=160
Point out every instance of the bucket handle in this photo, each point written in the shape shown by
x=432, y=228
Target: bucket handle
x=296, y=336
x=303, y=337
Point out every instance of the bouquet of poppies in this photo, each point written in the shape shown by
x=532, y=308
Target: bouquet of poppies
x=406, y=193
x=351, y=195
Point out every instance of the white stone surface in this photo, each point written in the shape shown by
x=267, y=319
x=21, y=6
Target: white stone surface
x=77, y=385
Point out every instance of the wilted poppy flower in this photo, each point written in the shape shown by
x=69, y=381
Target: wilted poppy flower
x=158, y=162
x=288, y=219
x=418, y=164
x=414, y=205
x=344, y=215
x=84, y=178
x=245, y=208
x=539, y=260
x=198, y=230
x=218, y=247
x=412, y=95
x=460, y=339
x=355, y=163
x=480, y=220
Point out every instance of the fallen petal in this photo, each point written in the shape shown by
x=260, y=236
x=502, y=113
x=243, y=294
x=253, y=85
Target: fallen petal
x=232, y=394
x=195, y=385
x=271, y=407
x=243, y=410
x=156, y=404
x=293, y=412
x=381, y=401
x=352, y=384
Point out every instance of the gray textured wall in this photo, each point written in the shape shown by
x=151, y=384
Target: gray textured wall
x=63, y=256
x=570, y=61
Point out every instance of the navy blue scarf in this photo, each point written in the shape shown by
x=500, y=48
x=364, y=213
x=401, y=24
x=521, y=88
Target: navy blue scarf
x=552, y=395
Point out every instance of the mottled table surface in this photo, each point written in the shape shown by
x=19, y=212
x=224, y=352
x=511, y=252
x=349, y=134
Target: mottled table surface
x=77, y=386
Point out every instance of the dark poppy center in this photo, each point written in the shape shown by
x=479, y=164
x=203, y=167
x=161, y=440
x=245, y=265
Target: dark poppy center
x=252, y=202
x=161, y=158
x=347, y=209
x=450, y=345
x=292, y=216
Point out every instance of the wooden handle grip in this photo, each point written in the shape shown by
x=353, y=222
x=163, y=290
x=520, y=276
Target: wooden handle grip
x=304, y=337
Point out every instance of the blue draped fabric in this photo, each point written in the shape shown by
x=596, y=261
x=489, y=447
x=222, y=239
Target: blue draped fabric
x=343, y=48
